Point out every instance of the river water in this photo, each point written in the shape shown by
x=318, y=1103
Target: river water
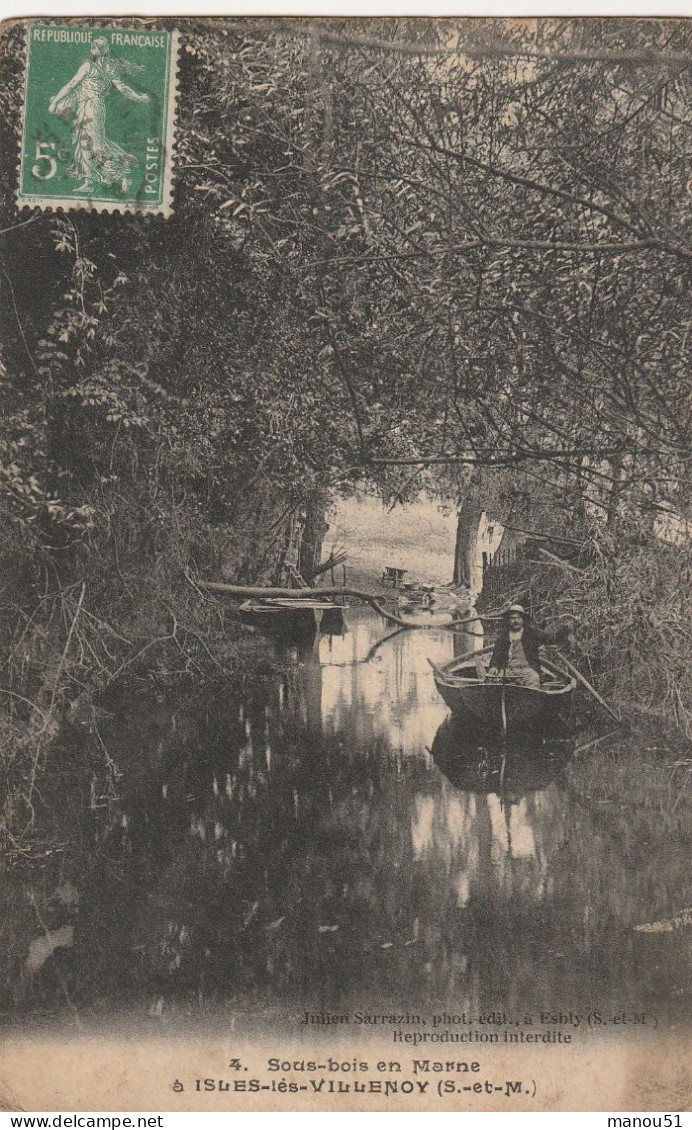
x=328, y=840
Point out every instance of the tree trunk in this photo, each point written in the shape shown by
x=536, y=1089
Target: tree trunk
x=465, y=547
x=314, y=530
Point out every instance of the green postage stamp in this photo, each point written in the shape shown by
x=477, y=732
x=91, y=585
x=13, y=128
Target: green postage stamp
x=99, y=118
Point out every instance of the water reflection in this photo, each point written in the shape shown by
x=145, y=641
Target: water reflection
x=331, y=837
x=472, y=761
x=391, y=695
x=499, y=824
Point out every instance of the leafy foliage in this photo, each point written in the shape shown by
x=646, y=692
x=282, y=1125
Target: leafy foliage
x=437, y=240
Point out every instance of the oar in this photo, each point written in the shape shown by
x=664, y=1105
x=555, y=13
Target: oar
x=592, y=690
x=503, y=767
x=450, y=668
x=503, y=711
x=461, y=659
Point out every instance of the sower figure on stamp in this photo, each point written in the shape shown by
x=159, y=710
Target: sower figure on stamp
x=96, y=159
x=516, y=652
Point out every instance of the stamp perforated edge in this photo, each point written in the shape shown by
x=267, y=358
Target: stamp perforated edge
x=68, y=203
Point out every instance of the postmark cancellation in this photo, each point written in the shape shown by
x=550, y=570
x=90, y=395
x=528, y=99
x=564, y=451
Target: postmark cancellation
x=98, y=118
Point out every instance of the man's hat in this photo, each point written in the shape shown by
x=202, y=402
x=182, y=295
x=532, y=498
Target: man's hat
x=517, y=608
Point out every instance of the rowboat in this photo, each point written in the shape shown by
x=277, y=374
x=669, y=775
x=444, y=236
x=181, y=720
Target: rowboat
x=497, y=701
x=293, y=618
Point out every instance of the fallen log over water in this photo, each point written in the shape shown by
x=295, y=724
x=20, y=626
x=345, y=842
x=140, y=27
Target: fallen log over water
x=373, y=599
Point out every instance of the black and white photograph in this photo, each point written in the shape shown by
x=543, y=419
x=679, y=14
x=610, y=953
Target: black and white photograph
x=346, y=564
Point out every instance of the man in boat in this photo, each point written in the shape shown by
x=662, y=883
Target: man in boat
x=515, y=654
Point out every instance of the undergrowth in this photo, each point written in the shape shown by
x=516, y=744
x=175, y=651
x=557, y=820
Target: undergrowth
x=121, y=605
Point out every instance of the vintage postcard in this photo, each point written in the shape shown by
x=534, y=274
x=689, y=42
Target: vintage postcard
x=345, y=468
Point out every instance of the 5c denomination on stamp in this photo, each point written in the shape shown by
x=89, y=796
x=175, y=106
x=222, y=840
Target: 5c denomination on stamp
x=99, y=118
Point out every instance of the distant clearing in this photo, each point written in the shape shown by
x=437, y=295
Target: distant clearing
x=417, y=537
